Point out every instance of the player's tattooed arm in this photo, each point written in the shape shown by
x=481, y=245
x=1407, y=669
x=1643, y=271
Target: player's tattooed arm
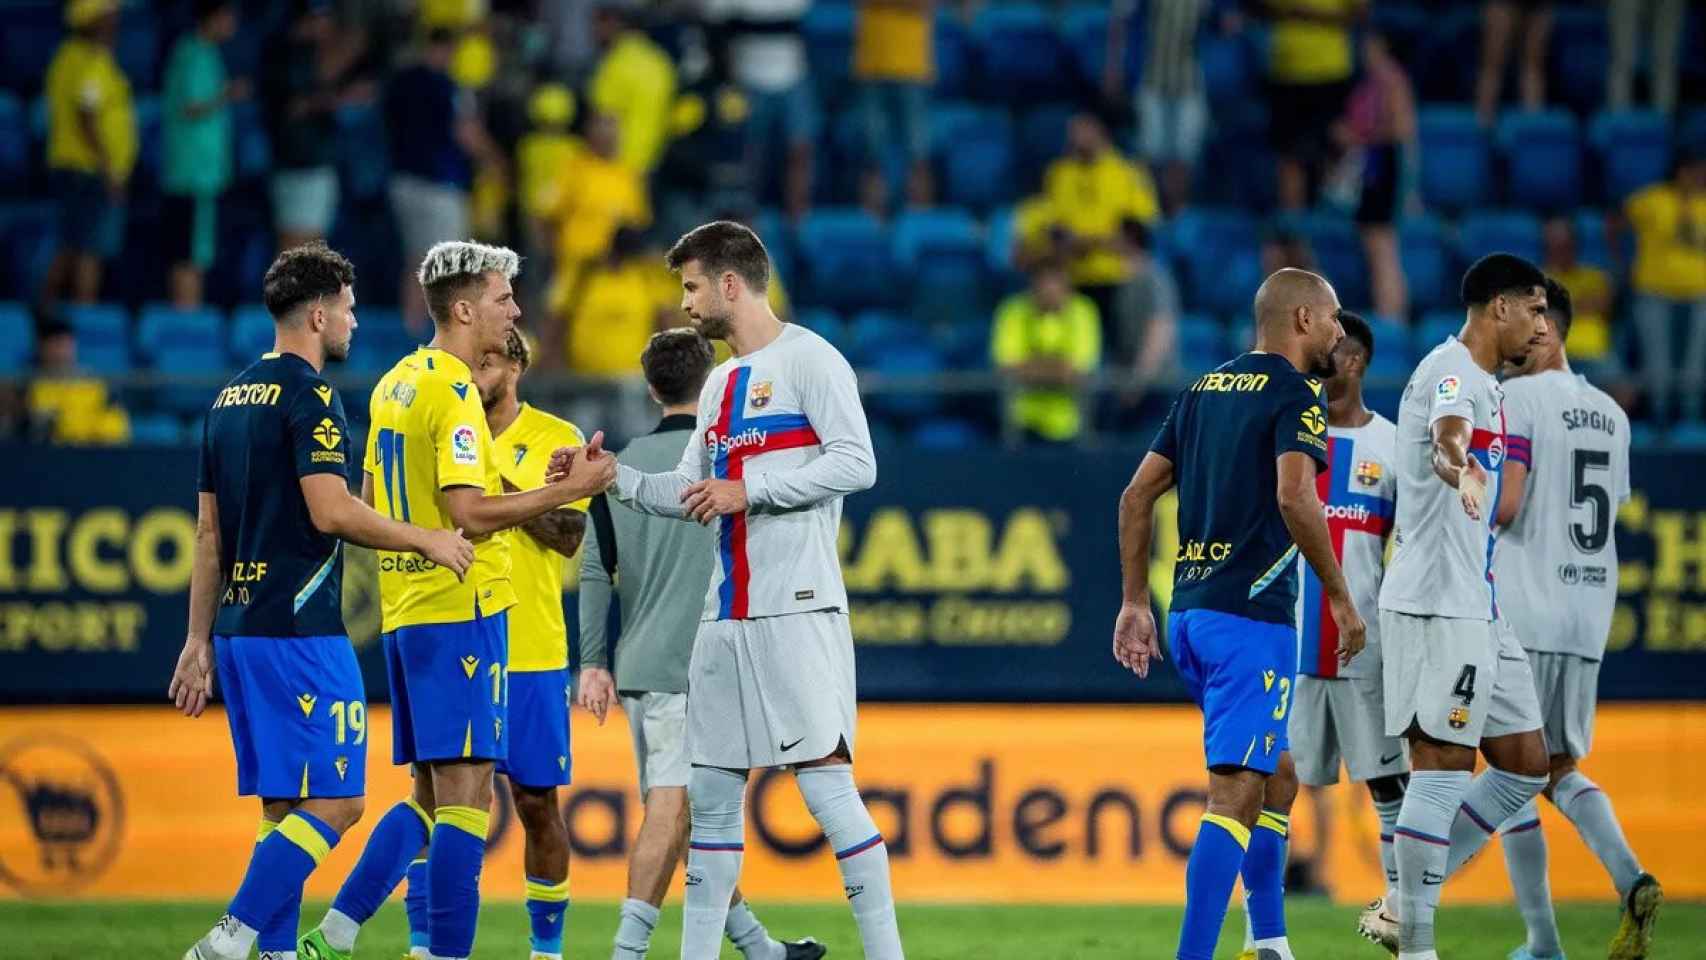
x=561, y=530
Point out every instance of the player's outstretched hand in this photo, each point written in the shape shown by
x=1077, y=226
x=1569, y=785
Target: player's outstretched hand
x=448, y=548
x=1135, y=643
x=1353, y=633
x=192, y=679
x=708, y=499
x=1472, y=488
x=598, y=691
x=591, y=467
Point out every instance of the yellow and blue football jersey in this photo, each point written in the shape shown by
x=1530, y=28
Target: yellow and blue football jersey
x=538, y=638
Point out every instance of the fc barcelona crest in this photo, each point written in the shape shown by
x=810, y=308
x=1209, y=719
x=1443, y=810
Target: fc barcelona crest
x=1367, y=473
x=761, y=394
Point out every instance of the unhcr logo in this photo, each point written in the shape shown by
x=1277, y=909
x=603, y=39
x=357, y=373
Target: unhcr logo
x=73, y=815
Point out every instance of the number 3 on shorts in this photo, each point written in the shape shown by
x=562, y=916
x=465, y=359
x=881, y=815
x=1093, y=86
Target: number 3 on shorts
x=1285, y=698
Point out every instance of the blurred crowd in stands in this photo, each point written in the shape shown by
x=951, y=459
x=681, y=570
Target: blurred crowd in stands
x=1074, y=200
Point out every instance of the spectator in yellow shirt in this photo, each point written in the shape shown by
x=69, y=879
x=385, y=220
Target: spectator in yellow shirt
x=635, y=83
x=598, y=196
x=1047, y=341
x=1309, y=76
x=622, y=301
x=1090, y=192
x=65, y=405
x=1590, y=346
x=894, y=64
x=91, y=149
x=1669, y=280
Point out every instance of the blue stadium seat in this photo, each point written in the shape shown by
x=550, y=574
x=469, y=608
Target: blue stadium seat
x=188, y=343
x=1690, y=435
x=1394, y=357
x=364, y=167
x=998, y=251
x=137, y=50
x=1426, y=255
x=1022, y=56
x=964, y=347
x=29, y=231
x=845, y=262
x=913, y=358
x=251, y=146
x=1591, y=245
x=1338, y=253
x=1436, y=325
x=956, y=56
x=827, y=30
x=150, y=146
x=947, y=433
x=103, y=337
x=873, y=332
x=381, y=339
x=1230, y=65
x=1202, y=344
x=826, y=324
x=156, y=430
x=1456, y=171
x=28, y=43
x=1042, y=138
x=1541, y=154
x=252, y=332
x=1085, y=30
x=1482, y=233
x=17, y=338
x=15, y=144
x=941, y=252
x=1579, y=58
x=778, y=236
x=973, y=147
x=1220, y=256
x=1633, y=150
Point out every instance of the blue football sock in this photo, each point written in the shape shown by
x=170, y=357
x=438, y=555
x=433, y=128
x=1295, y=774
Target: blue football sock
x=1209, y=874
x=453, y=880
x=396, y=839
x=1264, y=875
x=415, y=903
x=279, y=933
x=279, y=866
x=547, y=908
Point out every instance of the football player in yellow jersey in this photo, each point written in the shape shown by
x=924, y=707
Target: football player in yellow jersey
x=431, y=459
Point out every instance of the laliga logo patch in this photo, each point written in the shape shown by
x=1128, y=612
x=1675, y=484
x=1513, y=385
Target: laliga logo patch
x=462, y=445
x=1448, y=390
x=761, y=392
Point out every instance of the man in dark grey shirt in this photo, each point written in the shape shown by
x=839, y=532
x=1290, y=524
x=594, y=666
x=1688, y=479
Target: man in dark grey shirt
x=665, y=570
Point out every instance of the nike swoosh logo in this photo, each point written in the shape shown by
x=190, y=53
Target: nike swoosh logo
x=1432, y=879
x=789, y=746
x=1386, y=760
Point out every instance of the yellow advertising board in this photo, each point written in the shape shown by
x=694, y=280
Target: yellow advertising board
x=978, y=803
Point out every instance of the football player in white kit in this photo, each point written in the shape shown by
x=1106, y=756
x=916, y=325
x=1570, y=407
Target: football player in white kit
x=780, y=438
x=1566, y=472
x=1454, y=677
x=1337, y=710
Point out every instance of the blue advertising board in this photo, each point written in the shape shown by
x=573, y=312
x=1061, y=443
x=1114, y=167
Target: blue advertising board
x=976, y=576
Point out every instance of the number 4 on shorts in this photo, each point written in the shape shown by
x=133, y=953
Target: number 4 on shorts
x=1464, y=688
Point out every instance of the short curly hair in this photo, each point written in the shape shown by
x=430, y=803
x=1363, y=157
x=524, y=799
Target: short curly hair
x=676, y=363
x=303, y=274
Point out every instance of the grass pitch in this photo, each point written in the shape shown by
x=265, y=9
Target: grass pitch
x=1319, y=931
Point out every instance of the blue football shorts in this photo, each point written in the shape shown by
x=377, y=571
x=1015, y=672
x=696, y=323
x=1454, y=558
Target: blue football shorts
x=298, y=715
x=1241, y=672
x=538, y=729
x=449, y=695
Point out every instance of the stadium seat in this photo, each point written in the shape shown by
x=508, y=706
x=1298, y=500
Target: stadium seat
x=973, y=150
x=187, y=343
x=103, y=337
x=30, y=232
x=1426, y=255
x=1435, y=327
x=1394, y=357
x=1632, y=148
x=915, y=360
x=150, y=146
x=1592, y=246
x=1230, y=65
x=1220, y=254
x=1338, y=254
x=1493, y=232
x=873, y=332
x=15, y=144
x=156, y=430
x=251, y=147
x=827, y=30
x=381, y=339
x=956, y=56
x=1022, y=56
x=1690, y=436
x=252, y=332
x=941, y=253
x=1579, y=58
x=17, y=338
x=1540, y=153
x=845, y=261
x=1455, y=167
x=826, y=324
x=998, y=251
x=1202, y=344
x=1446, y=65
x=964, y=347
x=1042, y=139
x=947, y=433
x=137, y=49
x=27, y=45
x=1085, y=30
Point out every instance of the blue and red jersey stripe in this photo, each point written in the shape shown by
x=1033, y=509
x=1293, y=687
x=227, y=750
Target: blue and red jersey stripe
x=1318, y=652
x=732, y=448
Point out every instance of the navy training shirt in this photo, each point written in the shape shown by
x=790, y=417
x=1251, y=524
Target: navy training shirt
x=276, y=422
x=1225, y=435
